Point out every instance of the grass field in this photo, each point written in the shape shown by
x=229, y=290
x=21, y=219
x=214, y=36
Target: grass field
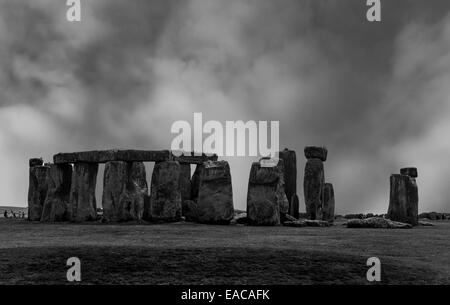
x=185, y=253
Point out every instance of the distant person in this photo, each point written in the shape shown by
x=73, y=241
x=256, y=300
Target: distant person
x=5, y=214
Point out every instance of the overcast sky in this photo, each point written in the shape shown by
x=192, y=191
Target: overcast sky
x=377, y=95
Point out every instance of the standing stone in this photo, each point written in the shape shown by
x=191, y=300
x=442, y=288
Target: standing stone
x=266, y=199
x=185, y=187
x=294, y=208
x=165, y=197
x=124, y=191
x=404, y=197
x=314, y=181
x=59, y=179
x=195, y=181
x=83, y=206
x=37, y=191
x=215, y=195
x=290, y=178
x=328, y=203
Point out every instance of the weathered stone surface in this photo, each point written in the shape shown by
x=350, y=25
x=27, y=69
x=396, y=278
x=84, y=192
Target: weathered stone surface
x=409, y=171
x=290, y=176
x=425, y=223
x=56, y=205
x=193, y=159
x=294, y=207
x=403, y=200
x=190, y=210
x=37, y=191
x=124, y=191
x=306, y=223
x=36, y=162
x=328, y=202
x=185, y=182
x=313, y=184
x=215, y=195
x=315, y=152
x=103, y=156
x=266, y=199
x=165, y=195
x=377, y=223
x=82, y=203
x=195, y=182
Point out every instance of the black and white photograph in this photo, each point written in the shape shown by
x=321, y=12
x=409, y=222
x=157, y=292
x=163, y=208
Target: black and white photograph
x=204, y=144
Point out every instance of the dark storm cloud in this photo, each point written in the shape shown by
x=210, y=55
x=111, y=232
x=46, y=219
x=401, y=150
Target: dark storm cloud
x=122, y=76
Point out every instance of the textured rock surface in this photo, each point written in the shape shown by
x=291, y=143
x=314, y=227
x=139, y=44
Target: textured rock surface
x=37, y=191
x=103, y=156
x=266, y=199
x=215, y=195
x=165, y=195
x=294, y=206
x=290, y=178
x=35, y=162
x=306, y=223
x=315, y=152
x=190, y=210
x=195, y=182
x=328, y=202
x=403, y=200
x=313, y=184
x=409, y=171
x=185, y=184
x=82, y=203
x=56, y=205
x=377, y=223
x=190, y=159
x=124, y=191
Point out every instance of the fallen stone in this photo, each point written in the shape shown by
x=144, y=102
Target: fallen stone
x=35, y=162
x=317, y=223
x=82, y=202
x=37, y=191
x=425, y=223
x=290, y=218
x=56, y=205
x=328, y=202
x=124, y=191
x=306, y=223
x=315, y=152
x=215, y=195
x=295, y=223
x=266, y=200
x=165, y=196
x=409, y=171
x=103, y=156
x=377, y=223
x=239, y=219
x=313, y=184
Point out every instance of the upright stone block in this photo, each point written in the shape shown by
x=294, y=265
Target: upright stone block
x=195, y=181
x=294, y=208
x=82, y=203
x=37, y=191
x=313, y=188
x=165, y=197
x=328, y=203
x=124, y=191
x=316, y=152
x=215, y=195
x=36, y=162
x=266, y=199
x=290, y=178
x=56, y=205
x=404, y=197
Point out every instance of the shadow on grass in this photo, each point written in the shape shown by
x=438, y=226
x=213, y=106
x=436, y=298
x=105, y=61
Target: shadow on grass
x=141, y=265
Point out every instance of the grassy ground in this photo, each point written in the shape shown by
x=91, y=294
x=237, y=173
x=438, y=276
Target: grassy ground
x=185, y=253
